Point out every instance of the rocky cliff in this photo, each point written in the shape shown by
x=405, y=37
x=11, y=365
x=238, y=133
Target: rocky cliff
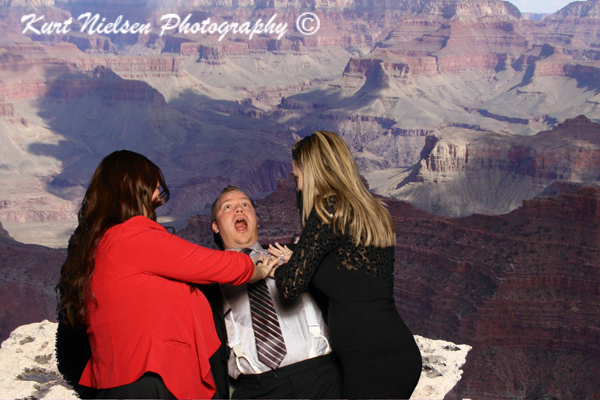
x=26, y=3
x=492, y=173
x=383, y=74
x=111, y=92
x=521, y=287
x=28, y=365
x=28, y=274
x=437, y=69
x=546, y=303
x=3, y=233
x=579, y=19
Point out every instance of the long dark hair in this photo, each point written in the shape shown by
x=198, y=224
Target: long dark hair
x=121, y=187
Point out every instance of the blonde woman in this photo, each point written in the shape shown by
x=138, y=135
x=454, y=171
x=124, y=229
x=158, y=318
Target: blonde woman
x=346, y=250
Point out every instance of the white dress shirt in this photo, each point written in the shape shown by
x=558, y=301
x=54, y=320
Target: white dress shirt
x=293, y=322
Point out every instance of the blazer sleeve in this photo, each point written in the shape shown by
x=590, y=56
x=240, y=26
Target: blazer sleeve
x=156, y=251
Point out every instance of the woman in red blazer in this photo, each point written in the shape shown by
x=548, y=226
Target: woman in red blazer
x=151, y=334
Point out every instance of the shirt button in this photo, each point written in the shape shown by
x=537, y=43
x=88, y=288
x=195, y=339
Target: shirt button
x=274, y=374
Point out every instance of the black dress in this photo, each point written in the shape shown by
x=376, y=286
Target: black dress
x=379, y=356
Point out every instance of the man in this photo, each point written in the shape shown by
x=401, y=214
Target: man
x=278, y=351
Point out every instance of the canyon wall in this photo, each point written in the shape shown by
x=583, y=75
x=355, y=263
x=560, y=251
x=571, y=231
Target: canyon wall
x=493, y=173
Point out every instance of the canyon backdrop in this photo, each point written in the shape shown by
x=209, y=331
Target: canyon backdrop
x=478, y=125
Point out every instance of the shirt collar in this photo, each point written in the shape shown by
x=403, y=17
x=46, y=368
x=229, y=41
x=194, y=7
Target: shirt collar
x=256, y=247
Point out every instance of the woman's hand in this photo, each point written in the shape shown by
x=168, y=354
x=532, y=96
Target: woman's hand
x=282, y=253
x=263, y=267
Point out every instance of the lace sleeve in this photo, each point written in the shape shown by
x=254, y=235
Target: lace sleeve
x=316, y=241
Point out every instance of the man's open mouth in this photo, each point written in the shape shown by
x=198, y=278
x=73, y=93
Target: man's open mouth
x=241, y=224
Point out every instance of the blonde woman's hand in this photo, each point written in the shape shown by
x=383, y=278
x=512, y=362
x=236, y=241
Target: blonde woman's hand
x=263, y=267
x=282, y=253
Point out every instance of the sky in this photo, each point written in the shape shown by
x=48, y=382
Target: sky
x=540, y=6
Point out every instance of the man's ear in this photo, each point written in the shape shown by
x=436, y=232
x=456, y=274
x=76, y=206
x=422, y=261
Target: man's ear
x=215, y=227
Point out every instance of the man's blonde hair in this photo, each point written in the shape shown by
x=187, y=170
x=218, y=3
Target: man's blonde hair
x=226, y=189
x=328, y=168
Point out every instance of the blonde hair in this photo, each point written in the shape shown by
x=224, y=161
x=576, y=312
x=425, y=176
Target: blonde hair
x=328, y=168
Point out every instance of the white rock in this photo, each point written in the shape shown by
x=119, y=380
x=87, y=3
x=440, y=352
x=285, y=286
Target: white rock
x=442, y=362
x=28, y=365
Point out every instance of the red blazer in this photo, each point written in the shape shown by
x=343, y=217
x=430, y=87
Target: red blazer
x=146, y=318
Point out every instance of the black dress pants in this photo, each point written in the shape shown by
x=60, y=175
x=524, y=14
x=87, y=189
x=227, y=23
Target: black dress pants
x=315, y=378
x=149, y=386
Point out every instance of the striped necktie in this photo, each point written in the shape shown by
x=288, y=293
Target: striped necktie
x=267, y=332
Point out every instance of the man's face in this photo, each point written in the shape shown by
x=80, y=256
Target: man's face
x=236, y=220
